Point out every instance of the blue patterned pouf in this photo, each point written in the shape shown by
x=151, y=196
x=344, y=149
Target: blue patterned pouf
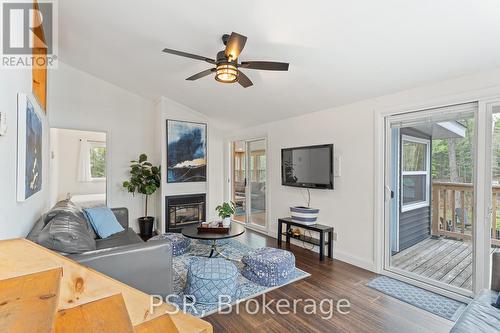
x=219, y=242
x=268, y=266
x=209, y=278
x=180, y=243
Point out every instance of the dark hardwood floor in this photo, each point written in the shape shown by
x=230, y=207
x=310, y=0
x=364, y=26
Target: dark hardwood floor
x=370, y=310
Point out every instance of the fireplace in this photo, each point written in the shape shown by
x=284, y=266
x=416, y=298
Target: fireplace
x=184, y=210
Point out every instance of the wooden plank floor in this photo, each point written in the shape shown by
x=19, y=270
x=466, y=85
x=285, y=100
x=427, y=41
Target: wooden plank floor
x=441, y=259
x=370, y=311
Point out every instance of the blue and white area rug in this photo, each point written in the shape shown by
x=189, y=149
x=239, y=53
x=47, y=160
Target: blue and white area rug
x=232, y=249
x=426, y=300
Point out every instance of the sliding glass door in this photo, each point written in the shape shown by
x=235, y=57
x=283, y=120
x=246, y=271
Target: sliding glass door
x=249, y=180
x=430, y=212
x=493, y=191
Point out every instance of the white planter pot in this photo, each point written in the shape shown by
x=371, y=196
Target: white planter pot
x=304, y=215
x=226, y=222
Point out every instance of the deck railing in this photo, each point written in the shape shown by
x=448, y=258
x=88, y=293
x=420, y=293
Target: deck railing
x=452, y=211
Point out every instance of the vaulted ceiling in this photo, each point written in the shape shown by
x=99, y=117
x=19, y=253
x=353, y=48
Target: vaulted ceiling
x=339, y=51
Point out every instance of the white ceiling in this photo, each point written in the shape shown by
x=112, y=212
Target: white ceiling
x=339, y=51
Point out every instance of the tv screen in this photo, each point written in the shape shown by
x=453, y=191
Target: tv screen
x=309, y=167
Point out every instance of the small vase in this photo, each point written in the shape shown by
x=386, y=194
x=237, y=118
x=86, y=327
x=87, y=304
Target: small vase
x=226, y=222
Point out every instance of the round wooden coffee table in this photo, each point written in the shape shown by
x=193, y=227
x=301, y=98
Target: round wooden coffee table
x=235, y=230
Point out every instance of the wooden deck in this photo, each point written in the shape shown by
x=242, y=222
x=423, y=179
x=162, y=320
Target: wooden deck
x=445, y=260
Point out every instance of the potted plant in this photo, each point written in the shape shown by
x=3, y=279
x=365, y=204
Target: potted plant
x=225, y=210
x=144, y=179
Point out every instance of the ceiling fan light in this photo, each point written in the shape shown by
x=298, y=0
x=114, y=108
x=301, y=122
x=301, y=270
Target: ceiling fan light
x=226, y=73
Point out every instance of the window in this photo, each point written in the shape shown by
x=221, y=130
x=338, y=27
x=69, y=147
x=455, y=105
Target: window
x=97, y=159
x=415, y=173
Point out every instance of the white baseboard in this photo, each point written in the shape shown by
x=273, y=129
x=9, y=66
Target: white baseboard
x=355, y=261
x=339, y=255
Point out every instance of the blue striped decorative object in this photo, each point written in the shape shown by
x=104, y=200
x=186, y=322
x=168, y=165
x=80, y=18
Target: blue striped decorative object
x=304, y=215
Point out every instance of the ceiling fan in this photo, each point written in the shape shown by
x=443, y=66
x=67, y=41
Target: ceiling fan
x=227, y=68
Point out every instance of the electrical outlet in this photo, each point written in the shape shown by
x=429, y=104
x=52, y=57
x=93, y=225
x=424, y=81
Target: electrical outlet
x=334, y=236
x=3, y=123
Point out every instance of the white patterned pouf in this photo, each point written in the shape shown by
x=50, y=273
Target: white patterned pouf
x=219, y=242
x=268, y=266
x=180, y=243
x=208, y=278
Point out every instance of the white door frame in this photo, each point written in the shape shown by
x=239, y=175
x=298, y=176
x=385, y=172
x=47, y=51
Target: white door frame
x=488, y=106
x=486, y=100
x=229, y=177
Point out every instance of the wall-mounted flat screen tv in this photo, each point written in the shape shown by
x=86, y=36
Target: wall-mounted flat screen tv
x=308, y=167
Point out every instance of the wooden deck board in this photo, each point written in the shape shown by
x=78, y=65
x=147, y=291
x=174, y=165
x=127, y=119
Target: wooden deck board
x=428, y=268
x=445, y=260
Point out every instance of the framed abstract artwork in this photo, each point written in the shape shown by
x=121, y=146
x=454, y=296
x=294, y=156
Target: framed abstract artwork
x=186, y=152
x=29, y=146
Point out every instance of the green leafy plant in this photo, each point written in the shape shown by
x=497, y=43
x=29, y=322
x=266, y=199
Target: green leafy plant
x=226, y=209
x=144, y=178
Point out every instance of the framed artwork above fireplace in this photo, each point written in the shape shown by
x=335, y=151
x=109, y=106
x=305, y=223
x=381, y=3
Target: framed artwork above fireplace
x=186, y=152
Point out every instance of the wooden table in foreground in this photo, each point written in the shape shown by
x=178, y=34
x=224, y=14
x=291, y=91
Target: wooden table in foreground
x=80, y=286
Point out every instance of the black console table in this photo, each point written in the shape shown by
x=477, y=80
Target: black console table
x=322, y=229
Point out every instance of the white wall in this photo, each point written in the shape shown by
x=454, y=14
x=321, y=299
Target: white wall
x=17, y=218
x=168, y=109
x=65, y=150
x=350, y=208
x=77, y=100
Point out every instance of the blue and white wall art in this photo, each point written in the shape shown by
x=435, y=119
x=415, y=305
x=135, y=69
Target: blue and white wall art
x=186, y=152
x=29, y=147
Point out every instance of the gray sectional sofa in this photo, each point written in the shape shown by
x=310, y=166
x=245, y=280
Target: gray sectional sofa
x=124, y=256
x=480, y=315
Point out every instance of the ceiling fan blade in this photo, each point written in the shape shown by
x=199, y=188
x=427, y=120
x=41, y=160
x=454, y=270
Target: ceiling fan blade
x=244, y=80
x=265, y=65
x=235, y=45
x=201, y=74
x=189, y=55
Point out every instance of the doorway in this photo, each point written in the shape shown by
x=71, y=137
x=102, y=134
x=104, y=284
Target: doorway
x=248, y=182
x=430, y=213
x=78, y=167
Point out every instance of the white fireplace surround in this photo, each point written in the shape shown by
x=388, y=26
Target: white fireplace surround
x=168, y=109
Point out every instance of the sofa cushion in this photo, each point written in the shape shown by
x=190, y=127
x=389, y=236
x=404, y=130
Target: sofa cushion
x=69, y=208
x=126, y=237
x=66, y=232
x=479, y=316
x=104, y=221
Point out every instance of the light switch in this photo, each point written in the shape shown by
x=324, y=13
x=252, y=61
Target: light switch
x=337, y=166
x=3, y=123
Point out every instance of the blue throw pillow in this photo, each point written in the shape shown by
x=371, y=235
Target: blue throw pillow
x=103, y=220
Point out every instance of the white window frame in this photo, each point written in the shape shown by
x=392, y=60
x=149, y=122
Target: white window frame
x=427, y=173
x=92, y=145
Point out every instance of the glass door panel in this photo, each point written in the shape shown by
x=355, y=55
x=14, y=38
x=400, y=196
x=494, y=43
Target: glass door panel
x=430, y=212
x=495, y=179
x=257, y=182
x=239, y=180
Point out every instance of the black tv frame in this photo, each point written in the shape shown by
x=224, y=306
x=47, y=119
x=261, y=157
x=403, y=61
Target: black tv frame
x=310, y=185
